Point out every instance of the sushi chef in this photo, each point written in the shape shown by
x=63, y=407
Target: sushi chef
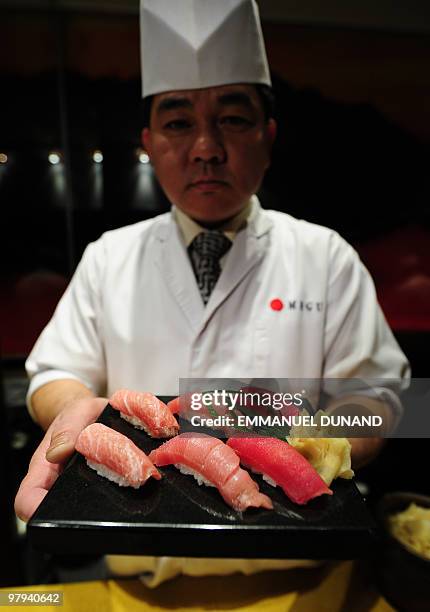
x=218, y=287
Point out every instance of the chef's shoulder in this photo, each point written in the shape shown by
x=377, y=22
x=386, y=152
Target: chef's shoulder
x=312, y=239
x=118, y=253
x=117, y=245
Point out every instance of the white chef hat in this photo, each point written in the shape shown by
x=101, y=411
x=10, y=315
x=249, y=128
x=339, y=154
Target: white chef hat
x=190, y=44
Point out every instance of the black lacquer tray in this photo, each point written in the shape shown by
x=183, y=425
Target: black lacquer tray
x=86, y=514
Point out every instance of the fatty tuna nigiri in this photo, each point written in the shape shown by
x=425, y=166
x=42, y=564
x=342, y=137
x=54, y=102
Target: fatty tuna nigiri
x=115, y=456
x=145, y=411
x=213, y=463
x=280, y=465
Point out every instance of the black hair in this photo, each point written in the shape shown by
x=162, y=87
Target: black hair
x=146, y=110
x=268, y=100
x=265, y=93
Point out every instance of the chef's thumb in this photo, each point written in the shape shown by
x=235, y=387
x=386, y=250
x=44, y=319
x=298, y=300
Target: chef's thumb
x=69, y=424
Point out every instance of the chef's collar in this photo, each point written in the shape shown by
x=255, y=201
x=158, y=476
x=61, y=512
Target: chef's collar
x=190, y=228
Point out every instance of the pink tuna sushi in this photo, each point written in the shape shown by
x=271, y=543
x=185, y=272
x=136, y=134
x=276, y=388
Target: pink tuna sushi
x=281, y=465
x=145, y=411
x=177, y=403
x=115, y=456
x=213, y=463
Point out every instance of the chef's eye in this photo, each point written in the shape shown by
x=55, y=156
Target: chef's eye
x=176, y=125
x=236, y=122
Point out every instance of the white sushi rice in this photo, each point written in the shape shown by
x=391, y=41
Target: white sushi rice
x=102, y=470
x=200, y=479
x=136, y=422
x=269, y=480
x=139, y=424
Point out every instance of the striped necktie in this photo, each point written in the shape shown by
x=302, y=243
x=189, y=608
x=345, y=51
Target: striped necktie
x=206, y=250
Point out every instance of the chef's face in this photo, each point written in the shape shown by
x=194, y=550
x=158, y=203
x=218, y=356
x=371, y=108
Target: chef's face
x=209, y=148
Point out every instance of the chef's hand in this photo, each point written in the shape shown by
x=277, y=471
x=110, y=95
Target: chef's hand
x=364, y=450
x=56, y=447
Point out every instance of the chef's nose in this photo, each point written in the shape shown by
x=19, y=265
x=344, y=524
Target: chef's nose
x=208, y=146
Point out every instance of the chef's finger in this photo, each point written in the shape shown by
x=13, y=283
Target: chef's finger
x=39, y=479
x=69, y=424
x=28, y=500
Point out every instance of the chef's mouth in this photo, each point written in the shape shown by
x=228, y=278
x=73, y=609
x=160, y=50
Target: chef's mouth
x=208, y=184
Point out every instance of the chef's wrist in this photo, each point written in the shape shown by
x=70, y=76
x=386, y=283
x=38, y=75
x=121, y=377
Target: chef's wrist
x=364, y=450
x=363, y=406
x=51, y=399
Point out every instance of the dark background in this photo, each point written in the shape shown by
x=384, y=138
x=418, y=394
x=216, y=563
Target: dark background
x=353, y=101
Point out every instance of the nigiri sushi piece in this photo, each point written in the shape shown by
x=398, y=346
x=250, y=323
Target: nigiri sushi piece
x=280, y=464
x=145, y=411
x=183, y=405
x=212, y=463
x=114, y=456
x=177, y=404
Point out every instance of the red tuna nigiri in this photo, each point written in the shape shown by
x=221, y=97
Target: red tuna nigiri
x=281, y=463
x=115, y=456
x=145, y=411
x=174, y=405
x=210, y=461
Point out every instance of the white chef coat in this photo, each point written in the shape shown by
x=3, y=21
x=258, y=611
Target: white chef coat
x=133, y=317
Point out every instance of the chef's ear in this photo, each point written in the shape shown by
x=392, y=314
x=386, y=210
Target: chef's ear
x=147, y=140
x=272, y=129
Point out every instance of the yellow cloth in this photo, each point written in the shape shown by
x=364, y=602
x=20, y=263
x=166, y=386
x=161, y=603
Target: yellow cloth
x=156, y=570
x=335, y=588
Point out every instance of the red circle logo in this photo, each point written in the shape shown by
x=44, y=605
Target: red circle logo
x=276, y=304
